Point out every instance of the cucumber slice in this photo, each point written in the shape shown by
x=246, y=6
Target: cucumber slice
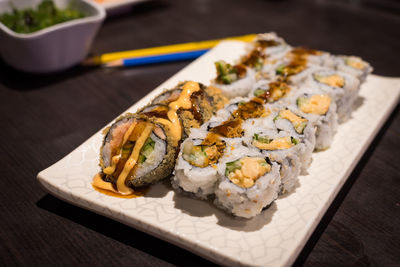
x=294, y=140
x=262, y=139
x=299, y=127
x=232, y=166
x=259, y=92
x=301, y=101
x=280, y=70
x=147, y=149
x=222, y=67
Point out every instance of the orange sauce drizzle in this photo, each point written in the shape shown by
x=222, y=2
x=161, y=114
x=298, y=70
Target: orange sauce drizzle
x=136, y=193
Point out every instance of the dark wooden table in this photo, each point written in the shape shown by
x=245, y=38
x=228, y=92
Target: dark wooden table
x=44, y=117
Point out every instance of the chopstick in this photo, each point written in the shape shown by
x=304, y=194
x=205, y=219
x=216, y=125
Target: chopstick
x=160, y=54
x=137, y=61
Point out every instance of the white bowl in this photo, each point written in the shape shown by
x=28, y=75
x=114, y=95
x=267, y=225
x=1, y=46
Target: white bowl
x=54, y=48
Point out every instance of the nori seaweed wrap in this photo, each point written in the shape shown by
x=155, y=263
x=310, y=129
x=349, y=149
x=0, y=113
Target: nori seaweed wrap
x=136, y=151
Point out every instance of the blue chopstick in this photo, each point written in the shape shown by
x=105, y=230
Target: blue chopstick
x=129, y=62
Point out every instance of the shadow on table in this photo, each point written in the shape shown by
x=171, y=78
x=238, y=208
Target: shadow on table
x=326, y=219
x=23, y=81
x=202, y=208
x=121, y=233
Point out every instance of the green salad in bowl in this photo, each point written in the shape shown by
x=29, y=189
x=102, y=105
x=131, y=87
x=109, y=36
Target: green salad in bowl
x=34, y=19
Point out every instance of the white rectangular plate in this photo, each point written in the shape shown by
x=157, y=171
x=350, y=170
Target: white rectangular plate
x=277, y=235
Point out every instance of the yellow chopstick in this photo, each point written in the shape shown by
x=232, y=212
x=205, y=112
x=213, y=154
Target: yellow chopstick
x=176, y=48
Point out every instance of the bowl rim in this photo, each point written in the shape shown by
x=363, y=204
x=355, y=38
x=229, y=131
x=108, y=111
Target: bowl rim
x=98, y=16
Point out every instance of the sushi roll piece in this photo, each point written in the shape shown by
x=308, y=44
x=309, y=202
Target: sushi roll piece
x=186, y=107
x=264, y=50
x=208, y=95
x=342, y=86
x=273, y=45
x=233, y=80
x=196, y=166
x=249, y=182
x=199, y=110
x=136, y=152
x=299, y=62
x=283, y=148
x=289, y=120
x=270, y=44
x=321, y=110
x=354, y=66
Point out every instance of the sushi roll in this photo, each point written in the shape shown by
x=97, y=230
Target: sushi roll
x=136, y=152
x=354, y=66
x=233, y=80
x=271, y=44
x=342, y=86
x=185, y=107
x=207, y=95
x=302, y=129
x=283, y=148
x=196, y=167
x=321, y=111
x=264, y=50
x=198, y=110
x=249, y=182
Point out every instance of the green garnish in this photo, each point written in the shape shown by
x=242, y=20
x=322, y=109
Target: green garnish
x=301, y=101
x=264, y=163
x=291, y=68
x=299, y=127
x=31, y=20
x=258, y=64
x=298, y=123
x=281, y=70
x=227, y=74
x=318, y=78
x=262, y=139
x=294, y=140
x=259, y=92
x=232, y=166
x=197, y=155
x=147, y=149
